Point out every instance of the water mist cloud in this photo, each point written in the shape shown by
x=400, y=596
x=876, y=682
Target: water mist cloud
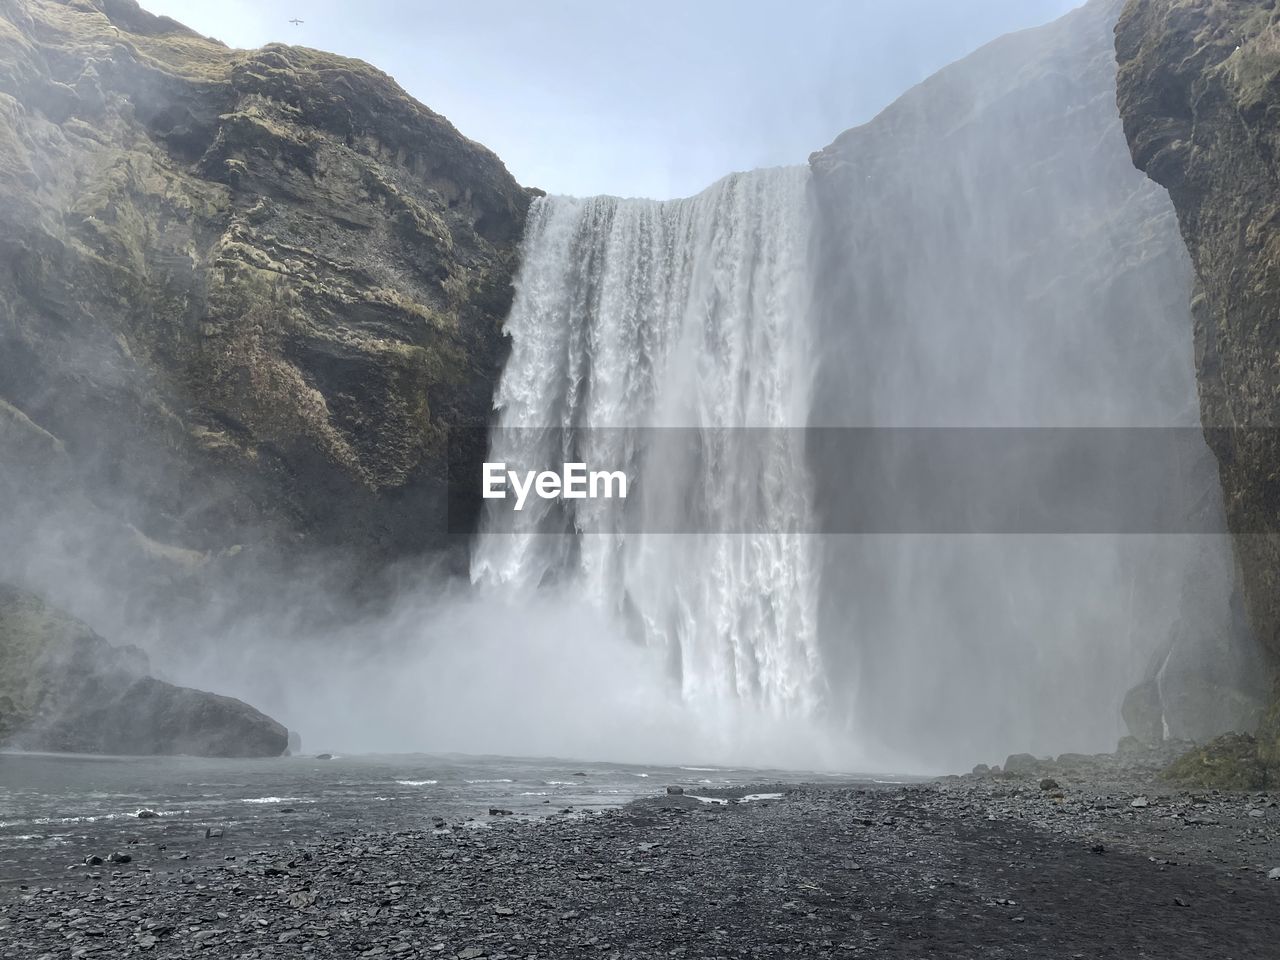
x=547, y=674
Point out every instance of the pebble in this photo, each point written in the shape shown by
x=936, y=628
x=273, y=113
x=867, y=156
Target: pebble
x=676, y=879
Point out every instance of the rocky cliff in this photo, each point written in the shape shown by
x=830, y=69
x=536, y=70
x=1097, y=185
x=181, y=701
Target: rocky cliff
x=1199, y=90
x=62, y=687
x=249, y=300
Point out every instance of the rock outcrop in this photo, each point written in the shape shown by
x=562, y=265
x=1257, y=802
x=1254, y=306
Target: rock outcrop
x=1199, y=91
x=64, y=688
x=246, y=297
x=1230, y=762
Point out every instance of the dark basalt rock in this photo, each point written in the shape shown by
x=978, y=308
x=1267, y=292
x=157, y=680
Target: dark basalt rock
x=1199, y=94
x=250, y=301
x=1142, y=714
x=64, y=688
x=1022, y=765
x=1011, y=873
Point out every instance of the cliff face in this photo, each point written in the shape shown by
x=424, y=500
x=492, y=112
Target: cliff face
x=246, y=297
x=990, y=258
x=62, y=687
x=1199, y=90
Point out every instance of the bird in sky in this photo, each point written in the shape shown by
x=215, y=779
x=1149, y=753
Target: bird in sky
x=296, y=22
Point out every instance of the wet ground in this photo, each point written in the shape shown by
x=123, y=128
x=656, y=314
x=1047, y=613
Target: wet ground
x=58, y=809
x=1088, y=866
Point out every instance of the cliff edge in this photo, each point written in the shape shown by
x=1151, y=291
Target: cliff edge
x=247, y=297
x=1199, y=92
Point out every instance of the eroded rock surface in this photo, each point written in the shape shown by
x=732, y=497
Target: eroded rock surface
x=246, y=297
x=1199, y=90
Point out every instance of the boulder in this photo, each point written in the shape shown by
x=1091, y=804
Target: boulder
x=1130, y=746
x=1022, y=765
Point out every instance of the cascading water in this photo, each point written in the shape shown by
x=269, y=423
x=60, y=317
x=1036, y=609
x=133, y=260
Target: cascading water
x=632, y=320
x=979, y=256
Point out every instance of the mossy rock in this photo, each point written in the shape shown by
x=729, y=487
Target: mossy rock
x=280, y=249
x=1231, y=762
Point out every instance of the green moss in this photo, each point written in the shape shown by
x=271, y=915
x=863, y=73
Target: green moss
x=270, y=287
x=1231, y=762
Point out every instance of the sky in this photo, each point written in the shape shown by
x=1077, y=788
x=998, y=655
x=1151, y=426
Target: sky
x=653, y=98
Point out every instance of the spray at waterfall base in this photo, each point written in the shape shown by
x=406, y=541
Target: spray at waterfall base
x=1060, y=498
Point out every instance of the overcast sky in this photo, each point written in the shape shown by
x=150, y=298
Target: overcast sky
x=653, y=98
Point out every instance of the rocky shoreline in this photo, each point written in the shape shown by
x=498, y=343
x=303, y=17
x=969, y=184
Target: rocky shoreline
x=1096, y=861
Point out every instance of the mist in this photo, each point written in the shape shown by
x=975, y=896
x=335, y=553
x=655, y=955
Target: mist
x=981, y=254
x=547, y=676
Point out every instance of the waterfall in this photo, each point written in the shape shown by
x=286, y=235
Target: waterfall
x=670, y=339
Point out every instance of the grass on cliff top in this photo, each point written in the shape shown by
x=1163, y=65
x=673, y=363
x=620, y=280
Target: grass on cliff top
x=155, y=40
x=1254, y=64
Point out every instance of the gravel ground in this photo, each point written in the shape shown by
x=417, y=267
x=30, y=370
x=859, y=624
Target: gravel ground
x=1094, y=862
